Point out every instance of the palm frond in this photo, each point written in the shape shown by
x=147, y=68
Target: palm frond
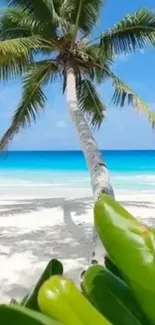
x=17, y=22
x=90, y=102
x=100, y=73
x=83, y=13
x=46, y=11
x=135, y=31
x=10, y=29
x=12, y=67
x=14, y=56
x=20, y=46
x=33, y=98
x=100, y=62
x=125, y=95
x=43, y=9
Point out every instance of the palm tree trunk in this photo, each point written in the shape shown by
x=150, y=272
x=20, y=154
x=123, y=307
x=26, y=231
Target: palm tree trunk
x=99, y=173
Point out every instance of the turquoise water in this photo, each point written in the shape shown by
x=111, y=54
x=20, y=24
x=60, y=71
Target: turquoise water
x=130, y=170
x=117, y=161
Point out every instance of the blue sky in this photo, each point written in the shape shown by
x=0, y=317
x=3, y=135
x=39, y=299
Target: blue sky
x=122, y=128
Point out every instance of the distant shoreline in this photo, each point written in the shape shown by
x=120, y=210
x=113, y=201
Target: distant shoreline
x=80, y=151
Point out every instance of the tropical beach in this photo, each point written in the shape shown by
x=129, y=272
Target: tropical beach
x=77, y=176
x=48, y=213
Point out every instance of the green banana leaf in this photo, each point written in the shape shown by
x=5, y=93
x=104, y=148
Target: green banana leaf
x=54, y=267
x=60, y=299
x=112, y=267
x=131, y=246
x=18, y=315
x=112, y=297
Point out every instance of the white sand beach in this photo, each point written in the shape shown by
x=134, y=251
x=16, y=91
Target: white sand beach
x=35, y=228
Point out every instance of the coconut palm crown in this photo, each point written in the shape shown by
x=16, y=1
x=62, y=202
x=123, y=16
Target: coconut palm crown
x=41, y=39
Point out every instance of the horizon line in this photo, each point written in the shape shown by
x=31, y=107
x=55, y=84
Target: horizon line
x=70, y=150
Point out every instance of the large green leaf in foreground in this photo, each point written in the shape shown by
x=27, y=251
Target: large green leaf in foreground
x=112, y=297
x=54, y=267
x=17, y=315
x=59, y=298
x=131, y=246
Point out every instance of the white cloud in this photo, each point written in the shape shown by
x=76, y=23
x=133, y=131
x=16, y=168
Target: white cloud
x=61, y=124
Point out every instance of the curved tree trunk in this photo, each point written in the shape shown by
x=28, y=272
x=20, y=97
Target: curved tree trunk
x=98, y=170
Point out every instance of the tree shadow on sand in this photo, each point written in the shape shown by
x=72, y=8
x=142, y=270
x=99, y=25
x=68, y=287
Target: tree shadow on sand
x=70, y=241
x=147, y=220
x=66, y=241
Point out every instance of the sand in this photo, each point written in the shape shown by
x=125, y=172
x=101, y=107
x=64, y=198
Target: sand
x=34, y=230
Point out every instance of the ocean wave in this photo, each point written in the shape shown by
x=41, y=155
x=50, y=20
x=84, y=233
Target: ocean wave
x=121, y=182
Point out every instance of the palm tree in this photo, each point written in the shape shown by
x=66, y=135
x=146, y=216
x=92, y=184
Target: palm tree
x=52, y=39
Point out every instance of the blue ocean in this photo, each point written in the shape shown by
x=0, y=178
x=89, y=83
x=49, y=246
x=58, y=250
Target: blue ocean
x=131, y=171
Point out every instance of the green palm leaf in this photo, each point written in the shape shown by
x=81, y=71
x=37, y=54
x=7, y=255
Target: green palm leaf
x=12, y=66
x=20, y=46
x=46, y=11
x=17, y=22
x=14, y=58
x=90, y=102
x=100, y=62
x=101, y=73
x=9, y=28
x=43, y=8
x=136, y=30
x=33, y=98
x=58, y=30
x=123, y=94
x=83, y=13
